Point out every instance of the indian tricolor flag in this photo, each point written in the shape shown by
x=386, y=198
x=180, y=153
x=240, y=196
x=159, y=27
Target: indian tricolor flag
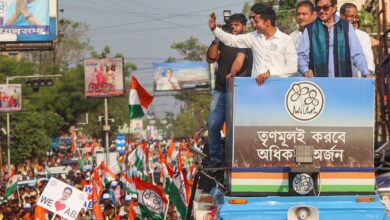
x=129, y=184
x=12, y=186
x=139, y=99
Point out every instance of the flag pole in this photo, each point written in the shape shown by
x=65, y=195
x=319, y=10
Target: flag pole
x=166, y=210
x=17, y=190
x=54, y=216
x=128, y=132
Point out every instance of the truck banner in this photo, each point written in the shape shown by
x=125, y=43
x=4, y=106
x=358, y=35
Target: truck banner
x=301, y=122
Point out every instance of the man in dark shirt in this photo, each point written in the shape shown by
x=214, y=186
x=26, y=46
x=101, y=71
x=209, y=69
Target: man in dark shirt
x=231, y=62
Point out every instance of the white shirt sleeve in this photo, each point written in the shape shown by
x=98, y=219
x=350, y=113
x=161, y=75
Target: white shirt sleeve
x=240, y=41
x=365, y=42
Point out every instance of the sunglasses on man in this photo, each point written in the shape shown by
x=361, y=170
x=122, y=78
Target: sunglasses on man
x=324, y=7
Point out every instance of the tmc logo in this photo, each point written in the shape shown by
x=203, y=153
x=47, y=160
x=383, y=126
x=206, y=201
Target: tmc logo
x=3, y=6
x=304, y=100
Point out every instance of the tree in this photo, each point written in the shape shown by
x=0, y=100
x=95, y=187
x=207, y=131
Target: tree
x=286, y=16
x=285, y=12
x=31, y=132
x=170, y=60
x=191, y=49
x=69, y=49
x=54, y=109
x=30, y=129
x=73, y=43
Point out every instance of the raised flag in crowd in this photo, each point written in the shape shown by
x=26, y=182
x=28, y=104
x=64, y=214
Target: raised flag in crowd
x=139, y=99
x=151, y=199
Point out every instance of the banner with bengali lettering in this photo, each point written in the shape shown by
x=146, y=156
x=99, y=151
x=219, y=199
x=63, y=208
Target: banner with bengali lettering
x=331, y=118
x=28, y=21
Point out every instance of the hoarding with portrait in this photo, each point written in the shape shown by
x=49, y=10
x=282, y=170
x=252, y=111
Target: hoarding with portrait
x=181, y=75
x=10, y=98
x=104, y=77
x=62, y=199
x=28, y=20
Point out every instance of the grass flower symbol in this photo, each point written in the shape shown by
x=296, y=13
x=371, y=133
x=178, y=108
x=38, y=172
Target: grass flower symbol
x=312, y=99
x=298, y=92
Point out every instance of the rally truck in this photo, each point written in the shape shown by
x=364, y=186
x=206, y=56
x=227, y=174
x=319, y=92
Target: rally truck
x=300, y=149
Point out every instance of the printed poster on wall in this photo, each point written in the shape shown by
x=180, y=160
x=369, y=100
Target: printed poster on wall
x=10, y=98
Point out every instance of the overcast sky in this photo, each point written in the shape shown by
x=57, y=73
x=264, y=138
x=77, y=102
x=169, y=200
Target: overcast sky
x=143, y=30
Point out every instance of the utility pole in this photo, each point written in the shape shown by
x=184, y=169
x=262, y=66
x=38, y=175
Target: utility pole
x=106, y=129
x=8, y=140
x=1, y=162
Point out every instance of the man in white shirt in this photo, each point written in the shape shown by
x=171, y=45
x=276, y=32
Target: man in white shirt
x=274, y=53
x=305, y=15
x=349, y=12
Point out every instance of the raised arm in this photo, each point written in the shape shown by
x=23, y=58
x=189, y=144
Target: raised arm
x=240, y=41
x=11, y=20
x=26, y=14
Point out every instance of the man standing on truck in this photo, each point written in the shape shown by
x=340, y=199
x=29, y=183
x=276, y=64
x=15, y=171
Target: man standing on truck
x=305, y=14
x=231, y=62
x=348, y=11
x=329, y=46
x=274, y=53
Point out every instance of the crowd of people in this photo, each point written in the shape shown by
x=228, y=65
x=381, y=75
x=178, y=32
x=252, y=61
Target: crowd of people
x=324, y=45
x=114, y=199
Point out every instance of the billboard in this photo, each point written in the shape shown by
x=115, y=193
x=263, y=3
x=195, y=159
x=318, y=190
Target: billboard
x=10, y=98
x=181, y=75
x=28, y=20
x=330, y=122
x=104, y=77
